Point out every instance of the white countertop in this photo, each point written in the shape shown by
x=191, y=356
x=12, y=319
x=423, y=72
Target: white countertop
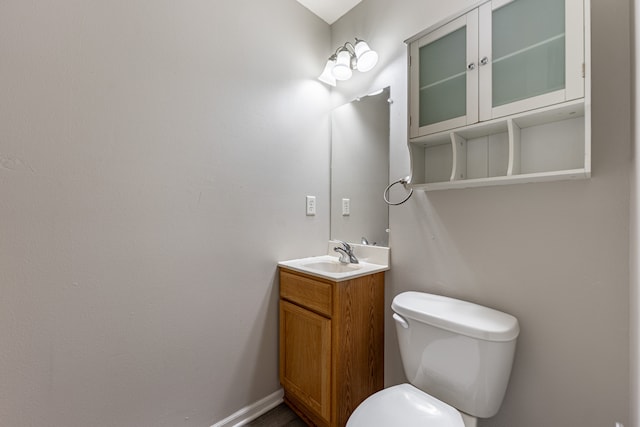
x=372, y=259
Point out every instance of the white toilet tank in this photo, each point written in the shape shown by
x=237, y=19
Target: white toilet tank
x=456, y=351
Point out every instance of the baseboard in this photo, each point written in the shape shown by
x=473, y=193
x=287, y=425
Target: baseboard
x=253, y=411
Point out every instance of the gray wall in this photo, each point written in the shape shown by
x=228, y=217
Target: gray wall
x=154, y=160
x=555, y=255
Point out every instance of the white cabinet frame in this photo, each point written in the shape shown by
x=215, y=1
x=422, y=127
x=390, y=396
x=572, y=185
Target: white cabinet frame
x=530, y=125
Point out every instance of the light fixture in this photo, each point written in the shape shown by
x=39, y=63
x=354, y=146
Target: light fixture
x=327, y=76
x=347, y=58
x=366, y=58
x=342, y=69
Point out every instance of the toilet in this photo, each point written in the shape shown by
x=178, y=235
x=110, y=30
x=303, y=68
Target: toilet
x=457, y=357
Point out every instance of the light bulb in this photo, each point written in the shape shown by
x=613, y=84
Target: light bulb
x=342, y=69
x=367, y=58
x=327, y=76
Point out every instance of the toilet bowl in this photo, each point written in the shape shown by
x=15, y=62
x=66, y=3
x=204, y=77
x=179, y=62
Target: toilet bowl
x=406, y=406
x=457, y=357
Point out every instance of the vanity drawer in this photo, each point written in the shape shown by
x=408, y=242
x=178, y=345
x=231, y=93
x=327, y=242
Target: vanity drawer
x=306, y=292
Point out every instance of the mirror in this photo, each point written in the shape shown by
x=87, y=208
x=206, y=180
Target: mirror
x=360, y=169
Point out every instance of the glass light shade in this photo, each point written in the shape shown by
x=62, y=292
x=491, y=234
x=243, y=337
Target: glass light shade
x=342, y=69
x=327, y=76
x=367, y=58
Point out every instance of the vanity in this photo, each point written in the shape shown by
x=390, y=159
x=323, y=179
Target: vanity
x=332, y=314
x=331, y=336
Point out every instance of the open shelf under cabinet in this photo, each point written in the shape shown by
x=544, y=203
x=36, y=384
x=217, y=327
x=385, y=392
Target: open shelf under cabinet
x=548, y=144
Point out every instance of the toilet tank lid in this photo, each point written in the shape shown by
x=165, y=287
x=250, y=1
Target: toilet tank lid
x=457, y=316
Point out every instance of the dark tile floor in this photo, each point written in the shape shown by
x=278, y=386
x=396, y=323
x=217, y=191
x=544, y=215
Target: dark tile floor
x=280, y=416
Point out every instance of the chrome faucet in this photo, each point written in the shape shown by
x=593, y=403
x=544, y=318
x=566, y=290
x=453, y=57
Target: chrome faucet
x=346, y=253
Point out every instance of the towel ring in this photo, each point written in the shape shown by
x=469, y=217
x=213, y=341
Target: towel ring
x=403, y=181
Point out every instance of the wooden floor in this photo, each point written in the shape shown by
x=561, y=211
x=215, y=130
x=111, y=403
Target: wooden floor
x=280, y=416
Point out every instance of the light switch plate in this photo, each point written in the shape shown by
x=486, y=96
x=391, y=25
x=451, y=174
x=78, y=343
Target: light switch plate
x=346, y=207
x=311, y=205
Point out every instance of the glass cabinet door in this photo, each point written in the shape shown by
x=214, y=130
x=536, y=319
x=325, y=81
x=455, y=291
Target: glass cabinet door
x=527, y=54
x=444, y=77
x=501, y=58
x=528, y=39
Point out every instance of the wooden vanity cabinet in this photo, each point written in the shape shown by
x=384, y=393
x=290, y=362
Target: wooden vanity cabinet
x=331, y=344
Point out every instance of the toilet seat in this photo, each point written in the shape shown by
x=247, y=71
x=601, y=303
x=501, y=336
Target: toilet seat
x=406, y=406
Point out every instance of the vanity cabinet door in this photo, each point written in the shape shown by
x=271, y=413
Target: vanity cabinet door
x=331, y=344
x=305, y=357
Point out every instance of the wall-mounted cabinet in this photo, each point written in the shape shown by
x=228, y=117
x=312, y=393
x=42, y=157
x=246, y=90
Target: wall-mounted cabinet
x=500, y=94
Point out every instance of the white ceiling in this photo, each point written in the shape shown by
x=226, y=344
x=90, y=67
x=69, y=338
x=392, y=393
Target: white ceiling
x=329, y=10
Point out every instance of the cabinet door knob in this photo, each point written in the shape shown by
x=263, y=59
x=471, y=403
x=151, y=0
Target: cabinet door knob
x=484, y=61
x=471, y=66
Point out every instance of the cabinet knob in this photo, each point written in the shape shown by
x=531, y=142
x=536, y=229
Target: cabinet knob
x=484, y=61
x=471, y=66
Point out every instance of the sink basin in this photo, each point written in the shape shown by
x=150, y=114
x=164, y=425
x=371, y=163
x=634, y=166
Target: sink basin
x=328, y=267
x=331, y=266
